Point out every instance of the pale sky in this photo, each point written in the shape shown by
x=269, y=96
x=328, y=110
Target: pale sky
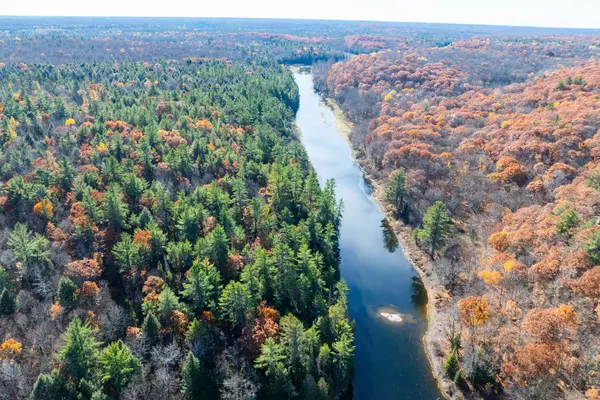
x=547, y=13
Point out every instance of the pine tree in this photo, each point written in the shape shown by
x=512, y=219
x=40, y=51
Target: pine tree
x=66, y=174
x=118, y=365
x=296, y=347
x=67, y=295
x=151, y=329
x=80, y=353
x=134, y=187
x=115, y=209
x=234, y=302
x=437, y=227
x=202, y=286
x=309, y=389
x=196, y=383
x=568, y=220
x=219, y=243
x=395, y=193
x=323, y=390
x=343, y=356
x=51, y=387
x=167, y=303
x=451, y=365
x=127, y=254
x=593, y=247
x=272, y=360
x=8, y=304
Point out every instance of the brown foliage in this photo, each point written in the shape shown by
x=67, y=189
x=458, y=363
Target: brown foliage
x=88, y=268
x=474, y=310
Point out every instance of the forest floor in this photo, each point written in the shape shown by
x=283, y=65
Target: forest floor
x=437, y=295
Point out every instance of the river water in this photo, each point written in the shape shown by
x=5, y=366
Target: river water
x=390, y=362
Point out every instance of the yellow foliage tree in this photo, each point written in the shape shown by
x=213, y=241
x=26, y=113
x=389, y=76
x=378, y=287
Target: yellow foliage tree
x=44, y=208
x=10, y=349
x=11, y=129
x=491, y=278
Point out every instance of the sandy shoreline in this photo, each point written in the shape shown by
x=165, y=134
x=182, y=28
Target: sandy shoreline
x=418, y=259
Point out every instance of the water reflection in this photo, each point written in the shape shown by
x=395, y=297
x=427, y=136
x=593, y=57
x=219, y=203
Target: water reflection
x=390, y=240
x=419, y=295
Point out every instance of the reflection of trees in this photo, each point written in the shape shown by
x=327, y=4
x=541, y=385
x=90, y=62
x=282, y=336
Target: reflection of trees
x=419, y=295
x=390, y=240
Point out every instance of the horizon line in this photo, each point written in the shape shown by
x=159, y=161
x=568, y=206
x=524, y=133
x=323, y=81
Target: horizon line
x=306, y=19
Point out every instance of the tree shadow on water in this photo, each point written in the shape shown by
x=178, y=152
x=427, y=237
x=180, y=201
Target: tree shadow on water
x=390, y=240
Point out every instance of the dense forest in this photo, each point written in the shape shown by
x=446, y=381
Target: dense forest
x=488, y=150
x=164, y=236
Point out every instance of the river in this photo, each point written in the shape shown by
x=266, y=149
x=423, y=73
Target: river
x=390, y=361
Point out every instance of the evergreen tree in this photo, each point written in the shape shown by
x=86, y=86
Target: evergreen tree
x=118, y=365
x=437, y=227
x=66, y=174
x=309, y=389
x=202, y=286
x=115, y=209
x=80, y=353
x=267, y=273
x=219, y=243
x=395, y=192
x=134, y=187
x=343, y=356
x=8, y=305
x=32, y=251
x=51, y=387
x=296, y=347
x=593, y=247
x=235, y=301
x=567, y=221
x=451, y=365
x=196, y=383
x=189, y=223
x=272, y=360
x=151, y=329
x=167, y=303
x=323, y=390
x=127, y=254
x=67, y=295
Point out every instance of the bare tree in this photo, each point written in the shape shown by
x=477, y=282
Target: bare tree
x=236, y=387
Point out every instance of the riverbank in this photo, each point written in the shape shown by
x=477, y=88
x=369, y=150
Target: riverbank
x=438, y=297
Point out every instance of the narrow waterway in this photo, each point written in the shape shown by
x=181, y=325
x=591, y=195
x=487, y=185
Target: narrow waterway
x=390, y=362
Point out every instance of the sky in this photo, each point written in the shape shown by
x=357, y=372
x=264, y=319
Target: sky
x=543, y=13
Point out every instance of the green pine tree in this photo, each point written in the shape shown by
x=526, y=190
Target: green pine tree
x=437, y=227
x=115, y=209
x=151, y=329
x=593, y=247
x=67, y=295
x=196, y=383
x=118, y=365
x=395, y=193
x=80, y=353
x=8, y=305
x=451, y=365
x=567, y=221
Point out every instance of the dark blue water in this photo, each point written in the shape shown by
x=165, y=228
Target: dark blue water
x=390, y=361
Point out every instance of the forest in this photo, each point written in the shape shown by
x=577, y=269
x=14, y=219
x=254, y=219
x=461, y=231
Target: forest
x=163, y=234
x=488, y=152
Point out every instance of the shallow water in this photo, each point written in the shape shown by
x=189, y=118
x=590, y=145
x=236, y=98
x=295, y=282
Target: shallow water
x=390, y=362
